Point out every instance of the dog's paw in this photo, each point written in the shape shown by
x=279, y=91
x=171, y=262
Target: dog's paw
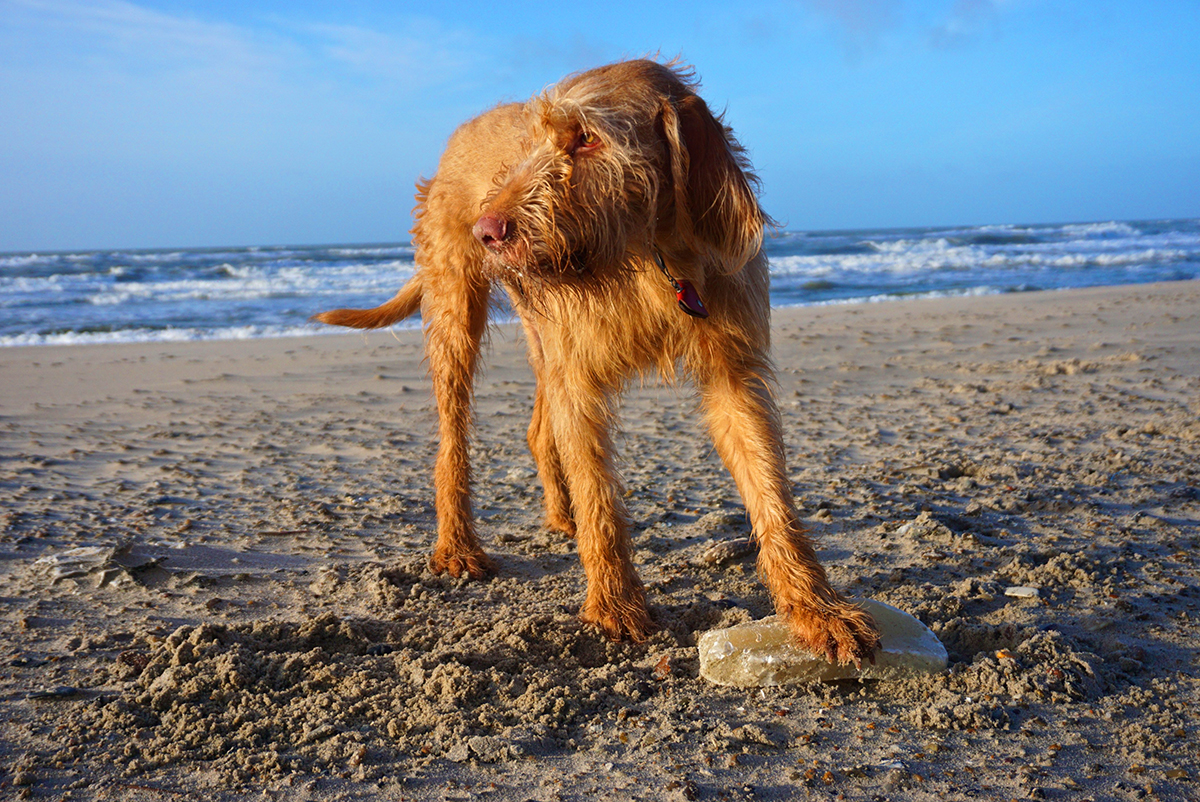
x=620, y=619
x=844, y=634
x=559, y=523
x=471, y=564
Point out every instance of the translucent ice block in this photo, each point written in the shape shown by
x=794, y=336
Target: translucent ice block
x=762, y=652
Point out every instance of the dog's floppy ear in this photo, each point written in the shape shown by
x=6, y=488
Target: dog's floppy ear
x=716, y=209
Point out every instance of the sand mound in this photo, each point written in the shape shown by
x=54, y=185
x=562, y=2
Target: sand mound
x=338, y=695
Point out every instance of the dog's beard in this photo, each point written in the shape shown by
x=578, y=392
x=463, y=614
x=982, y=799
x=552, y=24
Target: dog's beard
x=523, y=264
x=536, y=286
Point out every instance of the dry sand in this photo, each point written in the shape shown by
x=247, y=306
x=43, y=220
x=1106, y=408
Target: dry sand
x=256, y=620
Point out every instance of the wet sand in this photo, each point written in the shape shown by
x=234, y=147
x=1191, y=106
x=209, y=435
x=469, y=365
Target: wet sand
x=213, y=582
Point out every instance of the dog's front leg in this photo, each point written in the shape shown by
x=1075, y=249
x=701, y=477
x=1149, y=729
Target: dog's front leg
x=454, y=311
x=744, y=423
x=581, y=418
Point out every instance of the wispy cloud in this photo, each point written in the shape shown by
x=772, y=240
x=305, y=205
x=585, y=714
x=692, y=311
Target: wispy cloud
x=112, y=28
x=860, y=23
x=125, y=37
x=422, y=55
x=967, y=20
x=572, y=53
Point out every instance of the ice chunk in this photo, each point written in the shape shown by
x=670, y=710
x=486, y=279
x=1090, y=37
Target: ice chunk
x=762, y=652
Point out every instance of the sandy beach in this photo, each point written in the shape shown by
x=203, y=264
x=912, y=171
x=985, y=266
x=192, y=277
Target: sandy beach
x=213, y=581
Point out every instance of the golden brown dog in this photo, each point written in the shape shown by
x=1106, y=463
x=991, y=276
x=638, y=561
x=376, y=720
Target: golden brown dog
x=621, y=218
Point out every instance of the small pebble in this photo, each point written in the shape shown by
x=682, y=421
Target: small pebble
x=58, y=692
x=725, y=551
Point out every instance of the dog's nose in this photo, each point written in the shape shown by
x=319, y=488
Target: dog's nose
x=491, y=230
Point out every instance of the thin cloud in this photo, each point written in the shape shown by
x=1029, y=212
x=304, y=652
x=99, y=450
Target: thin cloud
x=967, y=21
x=122, y=29
x=557, y=57
x=860, y=23
x=123, y=37
x=424, y=55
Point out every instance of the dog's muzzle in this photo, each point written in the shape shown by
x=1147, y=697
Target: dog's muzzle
x=492, y=230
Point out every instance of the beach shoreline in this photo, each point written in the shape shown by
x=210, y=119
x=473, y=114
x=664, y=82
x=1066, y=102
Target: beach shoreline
x=180, y=294
x=254, y=614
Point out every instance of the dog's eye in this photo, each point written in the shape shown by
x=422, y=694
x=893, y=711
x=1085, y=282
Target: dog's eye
x=586, y=141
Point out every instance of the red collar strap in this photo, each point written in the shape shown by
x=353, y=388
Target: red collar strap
x=685, y=293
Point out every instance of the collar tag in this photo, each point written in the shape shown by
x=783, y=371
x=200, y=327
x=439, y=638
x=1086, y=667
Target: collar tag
x=689, y=299
x=685, y=293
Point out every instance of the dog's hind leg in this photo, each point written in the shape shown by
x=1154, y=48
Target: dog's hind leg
x=745, y=427
x=542, y=443
x=455, y=316
x=581, y=418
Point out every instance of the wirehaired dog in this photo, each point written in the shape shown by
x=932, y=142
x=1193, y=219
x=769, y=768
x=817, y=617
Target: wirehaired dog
x=621, y=218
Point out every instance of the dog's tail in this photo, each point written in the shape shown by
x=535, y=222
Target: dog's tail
x=406, y=302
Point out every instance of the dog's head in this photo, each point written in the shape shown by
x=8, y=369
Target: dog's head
x=617, y=161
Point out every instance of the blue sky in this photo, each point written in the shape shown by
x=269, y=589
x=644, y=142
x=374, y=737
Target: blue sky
x=182, y=123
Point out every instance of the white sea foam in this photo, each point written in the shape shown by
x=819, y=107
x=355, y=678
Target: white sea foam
x=15, y=260
x=151, y=258
x=178, y=335
x=897, y=258
x=234, y=282
x=398, y=250
x=1094, y=229
x=967, y=292
x=921, y=258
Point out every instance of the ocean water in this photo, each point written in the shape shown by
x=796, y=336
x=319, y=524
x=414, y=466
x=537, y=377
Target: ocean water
x=238, y=293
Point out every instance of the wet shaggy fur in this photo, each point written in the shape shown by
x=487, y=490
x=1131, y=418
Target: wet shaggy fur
x=564, y=201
